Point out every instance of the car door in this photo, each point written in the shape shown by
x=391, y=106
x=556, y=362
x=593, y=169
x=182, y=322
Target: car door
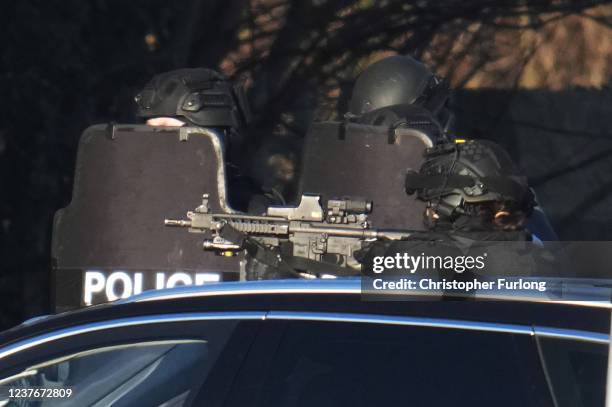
x=151, y=360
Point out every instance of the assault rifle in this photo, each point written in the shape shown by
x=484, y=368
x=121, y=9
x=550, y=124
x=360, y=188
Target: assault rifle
x=330, y=235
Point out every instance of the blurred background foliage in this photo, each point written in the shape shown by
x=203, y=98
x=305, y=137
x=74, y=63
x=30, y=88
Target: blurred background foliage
x=533, y=74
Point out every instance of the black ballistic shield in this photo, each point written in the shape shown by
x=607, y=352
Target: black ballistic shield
x=128, y=179
x=368, y=162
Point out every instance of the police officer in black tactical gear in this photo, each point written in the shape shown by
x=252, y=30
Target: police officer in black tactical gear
x=205, y=98
x=477, y=202
x=472, y=186
x=402, y=91
x=198, y=97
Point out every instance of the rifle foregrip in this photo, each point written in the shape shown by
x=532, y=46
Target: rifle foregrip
x=259, y=228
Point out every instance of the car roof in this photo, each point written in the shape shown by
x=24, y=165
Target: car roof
x=339, y=295
x=574, y=291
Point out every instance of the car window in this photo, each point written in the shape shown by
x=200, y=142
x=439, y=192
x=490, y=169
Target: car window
x=350, y=364
x=164, y=372
x=116, y=374
x=576, y=371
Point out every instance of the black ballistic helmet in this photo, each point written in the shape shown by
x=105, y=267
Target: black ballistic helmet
x=394, y=81
x=458, y=179
x=200, y=96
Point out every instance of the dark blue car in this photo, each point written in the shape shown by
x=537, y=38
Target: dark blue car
x=309, y=343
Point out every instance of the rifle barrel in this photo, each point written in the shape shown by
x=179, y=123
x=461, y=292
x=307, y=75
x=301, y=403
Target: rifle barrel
x=177, y=223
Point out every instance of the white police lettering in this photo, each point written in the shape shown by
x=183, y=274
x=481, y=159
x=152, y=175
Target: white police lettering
x=137, y=283
x=103, y=286
x=94, y=283
x=111, y=285
x=160, y=281
x=182, y=278
x=203, y=278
